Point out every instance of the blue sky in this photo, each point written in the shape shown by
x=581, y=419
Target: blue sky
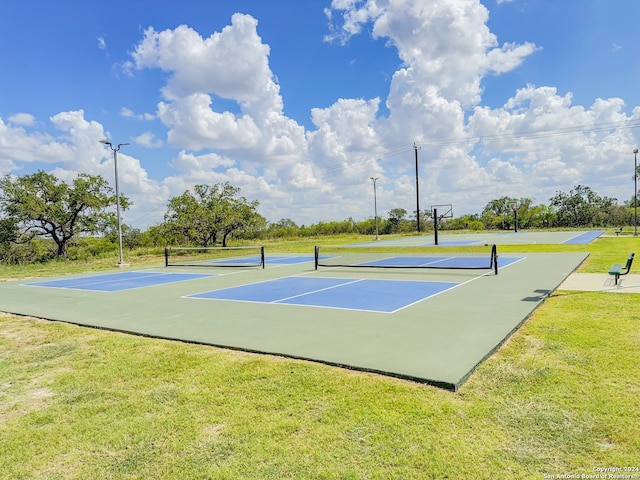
x=299, y=103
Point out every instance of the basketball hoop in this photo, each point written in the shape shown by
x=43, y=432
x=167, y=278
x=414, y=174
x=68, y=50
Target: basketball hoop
x=514, y=208
x=446, y=211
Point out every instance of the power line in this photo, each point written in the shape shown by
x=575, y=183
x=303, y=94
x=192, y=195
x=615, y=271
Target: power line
x=535, y=134
x=405, y=148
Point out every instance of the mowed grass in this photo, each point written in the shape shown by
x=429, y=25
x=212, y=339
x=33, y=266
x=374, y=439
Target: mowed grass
x=562, y=396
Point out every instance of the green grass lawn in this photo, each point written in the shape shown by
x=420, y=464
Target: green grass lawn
x=562, y=396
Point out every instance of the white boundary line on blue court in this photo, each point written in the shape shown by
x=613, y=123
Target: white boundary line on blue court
x=344, y=281
x=147, y=275
x=427, y=297
x=377, y=279
x=311, y=292
x=195, y=295
x=42, y=284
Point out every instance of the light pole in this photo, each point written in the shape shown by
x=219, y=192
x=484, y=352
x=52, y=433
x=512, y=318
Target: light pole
x=635, y=192
x=415, y=149
x=115, y=166
x=375, y=203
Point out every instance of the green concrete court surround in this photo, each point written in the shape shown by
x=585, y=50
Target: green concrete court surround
x=438, y=341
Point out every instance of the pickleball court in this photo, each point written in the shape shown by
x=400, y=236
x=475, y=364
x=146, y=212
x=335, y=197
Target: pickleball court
x=429, y=325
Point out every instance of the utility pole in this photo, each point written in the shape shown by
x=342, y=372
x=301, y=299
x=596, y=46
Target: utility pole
x=635, y=192
x=415, y=148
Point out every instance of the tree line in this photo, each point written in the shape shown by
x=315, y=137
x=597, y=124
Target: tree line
x=42, y=217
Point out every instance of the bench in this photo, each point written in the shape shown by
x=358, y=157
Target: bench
x=619, y=231
x=617, y=269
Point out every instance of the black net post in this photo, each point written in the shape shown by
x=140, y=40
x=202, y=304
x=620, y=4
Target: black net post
x=494, y=258
x=166, y=256
x=262, y=256
x=435, y=225
x=315, y=255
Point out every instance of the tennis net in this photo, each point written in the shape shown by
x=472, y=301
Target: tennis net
x=468, y=258
x=248, y=256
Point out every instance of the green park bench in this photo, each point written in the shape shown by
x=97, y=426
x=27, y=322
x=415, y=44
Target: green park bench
x=617, y=269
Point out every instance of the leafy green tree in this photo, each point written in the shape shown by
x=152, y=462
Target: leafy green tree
x=368, y=226
x=240, y=216
x=132, y=237
x=284, y=227
x=465, y=222
x=397, y=221
x=620, y=215
x=160, y=235
x=498, y=214
x=632, y=201
x=542, y=216
x=8, y=237
x=211, y=213
x=41, y=205
x=188, y=220
x=8, y=231
x=426, y=221
x=582, y=207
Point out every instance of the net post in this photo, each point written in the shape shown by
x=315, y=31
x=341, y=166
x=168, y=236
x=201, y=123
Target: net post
x=316, y=250
x=262, y=255
x=435, y=225
x=166, y=257
x=494, y=258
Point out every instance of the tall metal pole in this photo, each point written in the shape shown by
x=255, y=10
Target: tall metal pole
x=415, y=148
x=375, y=203
x=115, y=165
x=635, y=192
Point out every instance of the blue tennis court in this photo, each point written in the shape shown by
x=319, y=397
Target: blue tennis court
x=384, y=296
x=114, y=282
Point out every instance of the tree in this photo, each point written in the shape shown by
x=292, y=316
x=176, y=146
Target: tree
x=396, y=221
x=582, y=207
x=160, y=235
x=42, y=205
x=285, y=227
x=498, y=214
x=240, y=216
x=211, y=212
x=543, y=216
x=465, y=222
x=8, y=231
x=426, y=220
x=188, y=221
